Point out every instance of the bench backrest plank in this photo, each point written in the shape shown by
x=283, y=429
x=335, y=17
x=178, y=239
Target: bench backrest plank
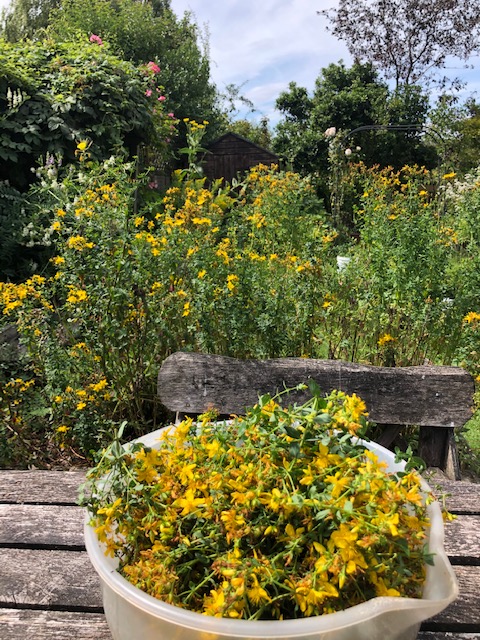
x=437, y=399
x=424, y=396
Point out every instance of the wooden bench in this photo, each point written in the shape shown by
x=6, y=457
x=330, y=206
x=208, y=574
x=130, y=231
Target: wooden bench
x=436, y=399
x=49, y=590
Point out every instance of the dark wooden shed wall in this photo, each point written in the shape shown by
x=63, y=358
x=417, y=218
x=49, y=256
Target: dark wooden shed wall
x=231, y=154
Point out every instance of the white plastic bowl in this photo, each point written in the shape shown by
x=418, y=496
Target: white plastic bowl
x=132, y=614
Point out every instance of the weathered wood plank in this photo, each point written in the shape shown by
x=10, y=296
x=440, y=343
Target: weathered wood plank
x=465, y=611
x=50, y=579
x=17, y=624
x=21, y=624
x=40, y=487
x=460, y=497
x=46, y=525
x=447, y=635
x=462, y=540
x=425, y=396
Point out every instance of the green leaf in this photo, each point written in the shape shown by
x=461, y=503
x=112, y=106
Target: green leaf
x=294, y=449
x=314, y=388
x=293, y=433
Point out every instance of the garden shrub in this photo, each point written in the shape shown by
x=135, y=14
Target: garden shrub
x=130, y=285
x=12, y=222
x=463, y=201
x=249, y=273
x=54, y=95
x=392, y=304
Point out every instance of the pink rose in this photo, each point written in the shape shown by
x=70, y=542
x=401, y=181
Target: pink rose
x=154, y=68
x=96, y=39
x=161, y=99
x=148, y=93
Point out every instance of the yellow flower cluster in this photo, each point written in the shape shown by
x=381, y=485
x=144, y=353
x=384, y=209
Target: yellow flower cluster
x=152, y=241
x=79, y=243
x=20, y=385
x=232, y=281
x=76, y=296
x=93, y=392
x=194, y=125
x=385, y=339
x=15, y=296
x=472, y=317
x=199, y=208
x=273, y=515
x=448, y=236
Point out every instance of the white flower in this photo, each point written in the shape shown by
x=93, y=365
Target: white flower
x=17, y=98
x=348, y=152
x=330, y=132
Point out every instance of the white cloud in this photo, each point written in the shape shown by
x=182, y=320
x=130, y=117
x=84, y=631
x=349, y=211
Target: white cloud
x=264, y=46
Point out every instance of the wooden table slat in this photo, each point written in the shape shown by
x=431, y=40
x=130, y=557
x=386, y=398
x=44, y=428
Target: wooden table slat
x=21, y=624
x=50, y=591
x=41, y=487
x=466, y=609
x=18, y=624
x=50, y=578
x=447, y=635
x=460, y=496
x=66, y=579
x=462, y=539
x=47, y=525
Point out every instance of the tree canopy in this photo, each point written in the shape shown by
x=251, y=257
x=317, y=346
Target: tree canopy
x=407, y=40
x=26, y=18
x=346, y=99
x=144, y=31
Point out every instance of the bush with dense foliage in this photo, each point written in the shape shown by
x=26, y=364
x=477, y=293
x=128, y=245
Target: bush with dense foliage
x=392, y=304
x=143, y=31
x=198, y=269
x=53, y=95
